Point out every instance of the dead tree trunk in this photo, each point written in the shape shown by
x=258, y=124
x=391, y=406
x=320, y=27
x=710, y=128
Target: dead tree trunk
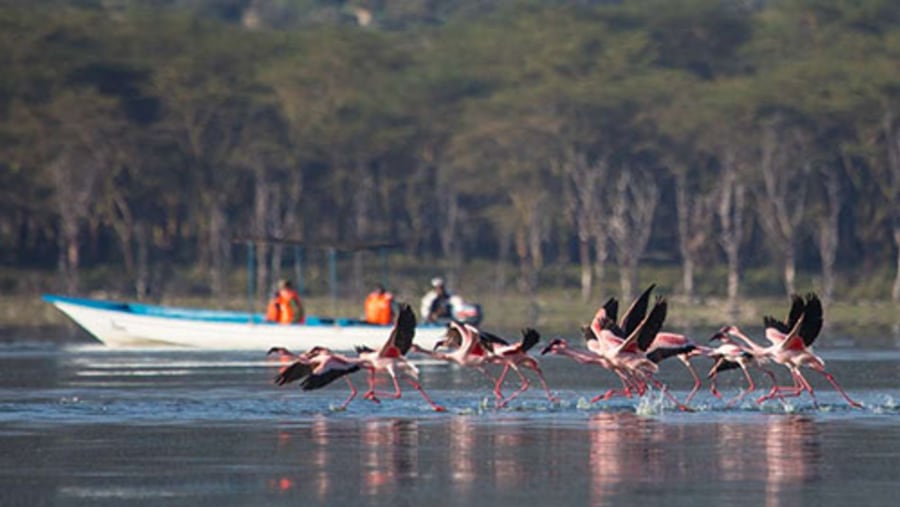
x=892, y=147
x=731, y=206
x=631, y=224
x=694, y=221
x=827, y=230
x=783, y=194
x=583, y=199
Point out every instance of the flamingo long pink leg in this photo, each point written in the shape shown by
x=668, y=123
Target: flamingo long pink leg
x=659, y=385
x=418, y=387
x=497, y=383
x=352, y=393
x=697, y=383
x=750, y=388
x=524, y=387
x=395, y=395
x=625, y=391
x=540, y=375
x=783, y=391
x=831, y=379
x=370, y=394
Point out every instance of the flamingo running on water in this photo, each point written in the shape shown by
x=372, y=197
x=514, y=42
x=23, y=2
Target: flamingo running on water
x=390, y=358
x=467, y=349
x=664, y=344
x=515, y=355
x=730, y=355
x=316, y=368
x=560, y=347
x=792, y=347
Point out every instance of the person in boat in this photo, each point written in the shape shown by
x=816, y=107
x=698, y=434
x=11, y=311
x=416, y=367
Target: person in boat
x=285, y=307
x=379, y=306
x=273, y=308
x=436, y=302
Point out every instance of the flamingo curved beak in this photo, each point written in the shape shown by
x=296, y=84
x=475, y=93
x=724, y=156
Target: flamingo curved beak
x=718, y=336
x=551, y=347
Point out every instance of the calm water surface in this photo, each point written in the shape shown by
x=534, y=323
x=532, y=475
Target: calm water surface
x=91, y=426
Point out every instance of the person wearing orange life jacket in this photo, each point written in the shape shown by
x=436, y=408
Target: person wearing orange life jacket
x=290, y=308
x=273, y=309
x=379, y=306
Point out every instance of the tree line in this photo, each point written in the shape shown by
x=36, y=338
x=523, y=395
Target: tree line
x=597, y=133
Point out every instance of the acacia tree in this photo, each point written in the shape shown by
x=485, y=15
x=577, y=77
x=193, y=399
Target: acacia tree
x=631, y=221
x=584, y=206
x=784, y=167
x=731, y=207
x=75, y=136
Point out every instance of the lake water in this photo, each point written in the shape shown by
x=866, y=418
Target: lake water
x=86, y=425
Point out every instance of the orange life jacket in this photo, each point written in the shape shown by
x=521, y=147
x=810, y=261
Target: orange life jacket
x=291, y=310
x=378, y=308
x=273, y=310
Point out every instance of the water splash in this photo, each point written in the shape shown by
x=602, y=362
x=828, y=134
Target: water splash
x=583, y=404
x=651, y=404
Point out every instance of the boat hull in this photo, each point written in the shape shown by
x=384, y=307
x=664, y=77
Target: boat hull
x=135, y=325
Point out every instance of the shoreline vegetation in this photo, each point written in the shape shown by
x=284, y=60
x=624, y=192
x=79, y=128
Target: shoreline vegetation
x=519, y=148
x=554, y=309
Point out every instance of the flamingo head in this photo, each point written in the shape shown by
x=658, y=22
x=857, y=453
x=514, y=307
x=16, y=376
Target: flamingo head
x=315, y=352
x=453, y=337
x=722, y=335
x=281, y=351
x=554, y=346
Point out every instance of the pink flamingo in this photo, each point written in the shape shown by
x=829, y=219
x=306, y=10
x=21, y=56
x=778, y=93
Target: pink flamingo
x=391, y=358
x=794, y=351
x=468, y=349
x=559, y=346
x=515, y=355
x=663, y=346
x=667, y=345
x=316, y=368
x=730, y=355
x=628, y=352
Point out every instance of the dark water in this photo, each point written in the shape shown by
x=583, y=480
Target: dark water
x=90, y=426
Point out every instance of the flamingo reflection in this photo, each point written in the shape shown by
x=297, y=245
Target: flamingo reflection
x=793, y=456
x=388, y=455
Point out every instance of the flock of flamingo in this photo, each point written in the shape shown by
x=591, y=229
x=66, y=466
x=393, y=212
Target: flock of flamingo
x=631, y=347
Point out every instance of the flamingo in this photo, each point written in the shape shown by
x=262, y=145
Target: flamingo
x=512, y=356
x=795, y=350
x=628, y=352
x=666, y=345
x=316, y=368
x=603, y=336
x=391, y=358
x=560, y=346
x=730, y=355
x=468, y=349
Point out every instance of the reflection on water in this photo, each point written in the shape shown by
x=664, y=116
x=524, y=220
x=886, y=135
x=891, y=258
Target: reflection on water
x=222, y=435
x=793, y=455
x=618, y=453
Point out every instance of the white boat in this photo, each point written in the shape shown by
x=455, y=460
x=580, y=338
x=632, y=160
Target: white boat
x=125, y=324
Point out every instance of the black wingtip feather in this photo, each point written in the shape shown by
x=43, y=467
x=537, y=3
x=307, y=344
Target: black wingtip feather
x=530, y=338
x=293, y=372
x=317, y=381
x=659, y=355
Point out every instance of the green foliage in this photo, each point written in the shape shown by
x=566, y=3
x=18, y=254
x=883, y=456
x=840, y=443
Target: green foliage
x=442, y=123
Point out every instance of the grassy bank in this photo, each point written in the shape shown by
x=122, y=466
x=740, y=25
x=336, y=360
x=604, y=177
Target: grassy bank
x=557, y=308
x=557, y=311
